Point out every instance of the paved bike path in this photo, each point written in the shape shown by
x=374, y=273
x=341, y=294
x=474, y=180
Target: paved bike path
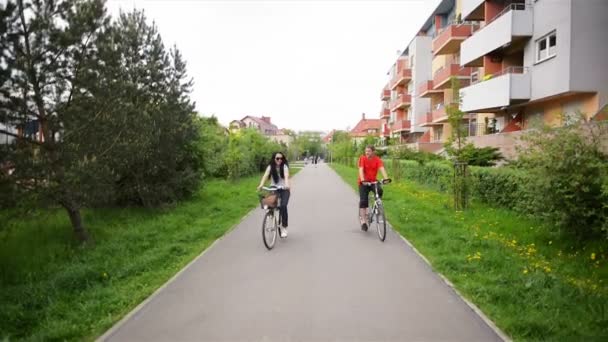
x=328, y=281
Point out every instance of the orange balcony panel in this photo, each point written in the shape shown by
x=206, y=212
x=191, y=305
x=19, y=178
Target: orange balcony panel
x=401, y=78
x=385, y=95
x=385, y=113
x=401, y=102
x=401, y=125
x=441, y=80
x=449, y=39
x=439, y=115
x=427, y=120
x=425, y=89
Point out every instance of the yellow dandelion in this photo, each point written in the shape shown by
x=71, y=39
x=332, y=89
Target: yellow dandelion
x=592, y=256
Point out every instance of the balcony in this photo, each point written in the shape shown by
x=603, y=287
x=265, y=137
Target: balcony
x=427, y=120
x=385, y=112
x=402, y=101
x=401, y=78
x=449, y=38
x=514, y=24
x=510, y=86
x=386, y=131
x=442, y=77
x=425, y=89
x=401, y=125
x=472, y=9
x=438, y=114
x=385, y=94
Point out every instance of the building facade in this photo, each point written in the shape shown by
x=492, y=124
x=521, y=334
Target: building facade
x=517, y=63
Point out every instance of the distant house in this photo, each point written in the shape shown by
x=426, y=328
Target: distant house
x=262, y=124
x=282, y=137
x=236, y=125
x=366, y=127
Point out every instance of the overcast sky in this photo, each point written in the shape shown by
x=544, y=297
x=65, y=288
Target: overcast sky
x=307, y=64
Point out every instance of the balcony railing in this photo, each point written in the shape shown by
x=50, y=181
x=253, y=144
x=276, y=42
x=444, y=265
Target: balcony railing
x=508, y=87
x=401, y=101
x=385, y=94
x=401, y=125
x=401, y=77
x=508, y=8
x=425, y=88
x=385, y=112
x=439, y=114
x=448, y=39
x=444, y=74
x=506, y=71
x=513, y=24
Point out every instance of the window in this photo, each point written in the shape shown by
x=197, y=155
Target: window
x=546, y=47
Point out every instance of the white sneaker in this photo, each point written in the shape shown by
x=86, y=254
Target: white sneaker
x=283, y=232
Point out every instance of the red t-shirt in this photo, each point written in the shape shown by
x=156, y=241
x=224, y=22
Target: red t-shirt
x=370, y=167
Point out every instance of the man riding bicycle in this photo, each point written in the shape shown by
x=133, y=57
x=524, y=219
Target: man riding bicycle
x=369, y=164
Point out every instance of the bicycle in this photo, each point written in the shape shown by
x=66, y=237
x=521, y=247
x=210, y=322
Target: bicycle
x=272, y=217
x=378, y=210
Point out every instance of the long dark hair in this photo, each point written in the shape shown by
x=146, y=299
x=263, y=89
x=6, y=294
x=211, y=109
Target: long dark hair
x=273, y=167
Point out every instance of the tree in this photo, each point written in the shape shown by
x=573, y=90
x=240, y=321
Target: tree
x=213, y=139
x=100, y=112
x=455, y=146
x=49, y=54
x=157, y=160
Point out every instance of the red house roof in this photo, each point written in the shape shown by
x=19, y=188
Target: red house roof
x=365, y=126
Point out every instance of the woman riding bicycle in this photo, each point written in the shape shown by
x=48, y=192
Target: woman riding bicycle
x=278, y=172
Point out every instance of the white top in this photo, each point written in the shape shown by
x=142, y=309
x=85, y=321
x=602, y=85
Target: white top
x=281, y=181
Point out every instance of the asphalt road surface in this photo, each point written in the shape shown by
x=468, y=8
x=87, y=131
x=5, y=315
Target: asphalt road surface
x=328, y=281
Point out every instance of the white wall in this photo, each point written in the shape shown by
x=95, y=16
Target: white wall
x=589, y=54
x=420, y=49
x=496, y=34
x=550, y=77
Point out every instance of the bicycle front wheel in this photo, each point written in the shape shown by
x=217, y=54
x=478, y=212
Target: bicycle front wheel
x=269, y=230
x=381, y=222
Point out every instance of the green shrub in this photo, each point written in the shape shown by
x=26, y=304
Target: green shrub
x=406, y=153
x=570, y=172
x=481, y=156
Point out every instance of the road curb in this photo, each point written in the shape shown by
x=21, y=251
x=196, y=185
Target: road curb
x=118, y=325
x=472, y=306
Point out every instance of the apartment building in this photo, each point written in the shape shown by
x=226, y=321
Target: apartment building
x=448, y=31
x=517, y=62
x=533, y=61
x=407, y=111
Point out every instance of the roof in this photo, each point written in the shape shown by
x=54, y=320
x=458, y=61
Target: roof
x=364, y=125
x=264, y=124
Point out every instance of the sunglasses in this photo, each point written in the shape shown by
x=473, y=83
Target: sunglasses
x=278, y=158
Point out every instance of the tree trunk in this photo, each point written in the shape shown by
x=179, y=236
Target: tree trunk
x=80, y=232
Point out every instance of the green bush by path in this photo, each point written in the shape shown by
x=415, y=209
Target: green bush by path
x=531, y=281
x=51, y=289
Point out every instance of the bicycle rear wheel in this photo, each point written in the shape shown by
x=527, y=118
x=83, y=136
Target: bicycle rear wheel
x=269, y=230
x=381, y=222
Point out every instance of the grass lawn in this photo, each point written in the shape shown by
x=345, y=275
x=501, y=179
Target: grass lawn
x=532, y=284
x=51, y=289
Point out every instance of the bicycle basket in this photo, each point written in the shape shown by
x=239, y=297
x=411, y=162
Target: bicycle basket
x=270, y=201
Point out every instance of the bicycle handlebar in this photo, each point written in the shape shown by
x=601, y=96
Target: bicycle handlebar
x=273, y=188
x=384, y=181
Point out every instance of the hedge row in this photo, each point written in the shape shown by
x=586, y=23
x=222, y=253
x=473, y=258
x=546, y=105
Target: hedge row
x=503, y=187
